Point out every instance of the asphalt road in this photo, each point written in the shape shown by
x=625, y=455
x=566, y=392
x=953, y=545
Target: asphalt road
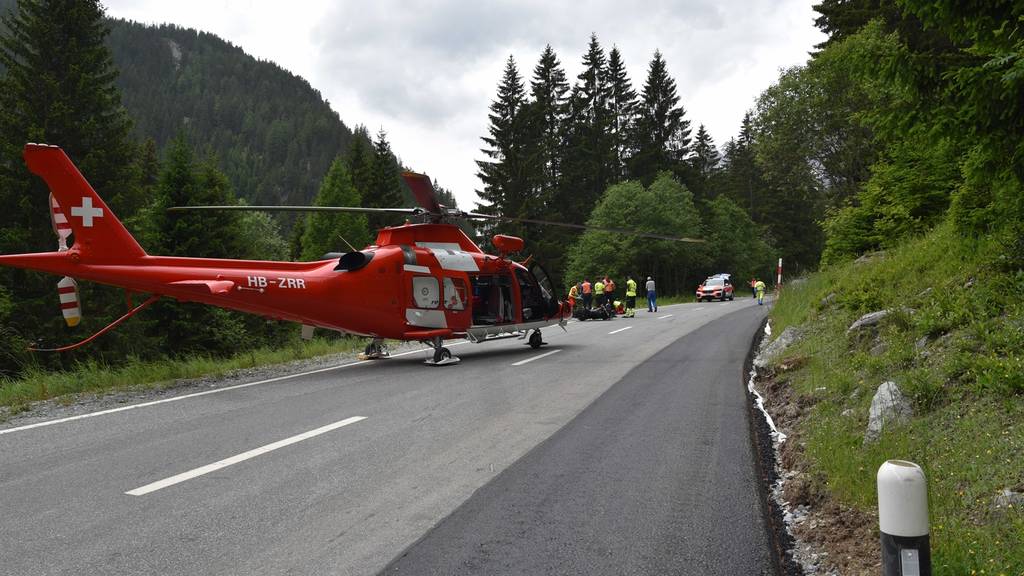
x=622, y=447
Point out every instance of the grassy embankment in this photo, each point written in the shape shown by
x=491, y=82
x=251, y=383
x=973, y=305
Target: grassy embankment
x=956, y=349
x=93, y=377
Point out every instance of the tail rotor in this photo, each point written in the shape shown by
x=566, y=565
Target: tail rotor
x=67, y=288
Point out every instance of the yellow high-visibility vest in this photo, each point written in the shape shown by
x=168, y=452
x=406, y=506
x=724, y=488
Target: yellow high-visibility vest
x=630, y=287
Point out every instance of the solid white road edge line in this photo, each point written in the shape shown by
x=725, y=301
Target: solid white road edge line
x=141, y=491
x=204, y=393
x=528, y=360
x=620, y=330
x=665, y=316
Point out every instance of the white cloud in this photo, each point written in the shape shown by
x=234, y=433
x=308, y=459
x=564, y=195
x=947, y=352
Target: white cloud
x=426, y=71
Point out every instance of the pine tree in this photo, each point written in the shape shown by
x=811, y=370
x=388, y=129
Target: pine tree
x=327, y=232
x=589, y=146
x=385, y=187
x=548, y=89
x=662, y=137
x=622, y=103
x=545, y=137
x=505, y=190
x=705, y=156
x=704, y=165
x=183, y=328
x=184, y=182
x=742, y=179
x=359, y=161
x=58, y=88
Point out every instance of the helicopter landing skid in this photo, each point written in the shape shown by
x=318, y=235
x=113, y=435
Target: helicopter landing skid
x=442, y=356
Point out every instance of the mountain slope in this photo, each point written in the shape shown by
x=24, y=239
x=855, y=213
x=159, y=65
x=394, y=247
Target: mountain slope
x=274, y=135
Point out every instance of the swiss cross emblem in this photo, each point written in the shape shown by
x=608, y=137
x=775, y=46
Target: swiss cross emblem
x=86, y=212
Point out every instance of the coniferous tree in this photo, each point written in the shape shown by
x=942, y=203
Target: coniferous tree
x=58, y=88
x=704, y=163
x=185, y=182
x=331, y=232
x=622, y=103
x=742, y=179
x=546, y=120
x=548, y=90
x=588, y=144
x=385, y=187
x=184, y=328
x=506, y=187
x=662, y=136
x=705, y=155
x=359, y=161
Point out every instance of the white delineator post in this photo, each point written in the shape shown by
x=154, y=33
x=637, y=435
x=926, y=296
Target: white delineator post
x=778, y=278
x=903, y=519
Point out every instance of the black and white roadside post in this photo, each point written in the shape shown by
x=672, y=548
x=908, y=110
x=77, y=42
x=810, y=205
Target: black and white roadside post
x=903, y=519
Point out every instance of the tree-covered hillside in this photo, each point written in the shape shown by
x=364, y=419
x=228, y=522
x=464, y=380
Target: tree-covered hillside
x=274, y=135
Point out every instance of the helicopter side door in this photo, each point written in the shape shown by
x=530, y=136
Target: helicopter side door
x=456, y=301
x=546, y=290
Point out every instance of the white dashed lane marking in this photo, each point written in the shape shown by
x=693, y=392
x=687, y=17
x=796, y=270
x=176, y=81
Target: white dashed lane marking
x=195, y=472
x=528, y=360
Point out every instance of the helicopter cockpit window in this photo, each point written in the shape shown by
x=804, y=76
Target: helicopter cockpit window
x=425, y=292
x=455, y=294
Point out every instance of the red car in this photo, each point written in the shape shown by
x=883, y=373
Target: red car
x=716, y=287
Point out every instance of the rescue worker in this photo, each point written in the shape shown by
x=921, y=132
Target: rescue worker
x=599, y=293
x=609, y=289
x=630, y=297
x=652, y=297
x=574, y=293
x=586, y=294
x=759, y=289
x=753, y=289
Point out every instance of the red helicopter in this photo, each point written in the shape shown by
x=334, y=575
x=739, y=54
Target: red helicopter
x=425, y=282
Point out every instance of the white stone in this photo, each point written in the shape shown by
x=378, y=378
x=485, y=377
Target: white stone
x=776, y=347
x=888, y=406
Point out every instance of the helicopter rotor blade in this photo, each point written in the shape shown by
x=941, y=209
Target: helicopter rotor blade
x=441, y=214
x=478, y=216
x=423, y=190
x=409, y=211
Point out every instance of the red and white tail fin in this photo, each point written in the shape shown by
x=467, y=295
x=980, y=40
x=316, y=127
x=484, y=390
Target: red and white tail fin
x=99, y=235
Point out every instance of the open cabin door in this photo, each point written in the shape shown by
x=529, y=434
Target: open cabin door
x=546, y=289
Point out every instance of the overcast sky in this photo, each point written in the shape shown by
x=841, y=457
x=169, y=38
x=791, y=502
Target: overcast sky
x=426, y=72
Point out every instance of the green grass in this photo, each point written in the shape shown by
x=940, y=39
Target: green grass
x=966, y=384
x=93, y=377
